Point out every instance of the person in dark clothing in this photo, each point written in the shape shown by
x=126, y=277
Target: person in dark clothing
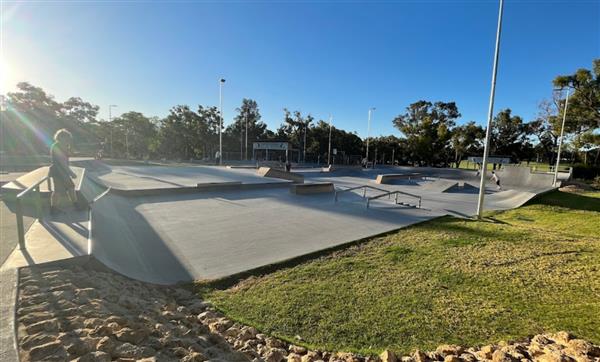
x=60, y=172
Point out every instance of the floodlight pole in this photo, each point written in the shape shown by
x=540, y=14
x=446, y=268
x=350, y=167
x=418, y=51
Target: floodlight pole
x=488, y=131
x=221, y=82
x=560, y=140
x=304, y=151
x=329, y=149
x=369, y=131
x=246, y=151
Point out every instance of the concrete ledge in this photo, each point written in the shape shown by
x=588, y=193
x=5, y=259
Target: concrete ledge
x=271, y=172
x=386, y=178
x=312, y=188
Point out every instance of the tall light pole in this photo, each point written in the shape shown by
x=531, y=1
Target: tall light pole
x=369, y=130
x=246, y=152
x=560, y=140
x=110, y=107
x=329, y=151
x=221, y=82
x=304, y=151
x=488, y=132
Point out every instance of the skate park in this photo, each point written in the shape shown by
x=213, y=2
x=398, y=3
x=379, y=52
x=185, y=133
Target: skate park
x=178, y=223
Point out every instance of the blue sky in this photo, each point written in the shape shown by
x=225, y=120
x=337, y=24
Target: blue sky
x=319, y=57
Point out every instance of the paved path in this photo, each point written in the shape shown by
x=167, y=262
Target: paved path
x=151, y=177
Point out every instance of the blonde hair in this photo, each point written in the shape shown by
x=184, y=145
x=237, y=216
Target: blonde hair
x=62, y=135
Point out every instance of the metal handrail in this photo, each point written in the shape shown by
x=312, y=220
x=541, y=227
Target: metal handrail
x=396, y=193
x=385, y=193
x=38, y=205
x=364, y=187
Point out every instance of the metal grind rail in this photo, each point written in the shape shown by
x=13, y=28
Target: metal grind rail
x=385, y=193
x=35, y=188
x=38, y=206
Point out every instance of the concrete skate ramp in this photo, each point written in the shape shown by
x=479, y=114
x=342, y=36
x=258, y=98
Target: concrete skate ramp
x=275, y=173
x=166, y=239
x=440, y=185
x=523, y=178
x=124, y=240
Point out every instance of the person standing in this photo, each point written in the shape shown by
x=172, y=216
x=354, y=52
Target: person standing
x=60, y=172
x=496, y=179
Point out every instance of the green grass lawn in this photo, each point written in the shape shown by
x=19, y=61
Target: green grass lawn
x=521, y=272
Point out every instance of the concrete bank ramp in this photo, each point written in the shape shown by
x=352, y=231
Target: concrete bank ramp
x=440, y=185
x=275, y=173
x=123, y=240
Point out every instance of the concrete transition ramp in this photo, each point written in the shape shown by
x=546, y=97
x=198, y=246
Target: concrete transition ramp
x=522, y=177
x=123, y=240
x=275, y=173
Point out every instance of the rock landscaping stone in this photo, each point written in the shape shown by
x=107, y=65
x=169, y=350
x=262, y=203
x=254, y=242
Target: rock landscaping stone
x=97, y=315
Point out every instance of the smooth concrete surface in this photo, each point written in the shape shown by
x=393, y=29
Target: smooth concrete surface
x=166, y=238
x=150, y=177
x=170, y=238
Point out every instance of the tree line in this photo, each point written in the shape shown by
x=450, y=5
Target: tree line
x=429, y=133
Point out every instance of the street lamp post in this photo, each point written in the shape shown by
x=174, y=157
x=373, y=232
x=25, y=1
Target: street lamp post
x=488, y=132
x=560, y=140
x=304, y=148
x=221, y=82
x=329, y=149
x=246, y=151
x=110, y=106
x=369, y=130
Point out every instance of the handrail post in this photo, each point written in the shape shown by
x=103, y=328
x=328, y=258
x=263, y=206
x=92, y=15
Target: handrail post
x=364, y=192
x=396, y=200
x=38, y=202
x=20, y=228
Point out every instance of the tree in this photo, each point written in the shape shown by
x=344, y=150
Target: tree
x=582, y=121
x=183, y=133
x=508, y=135
x=584, y=103
x=248, y=115
x=348, y=145
x=134, y=135
x=466, y=139
x=30, y=117
x=385, y=147
x=426, y=127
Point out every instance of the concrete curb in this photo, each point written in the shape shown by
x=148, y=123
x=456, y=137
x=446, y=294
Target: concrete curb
x=9, y=286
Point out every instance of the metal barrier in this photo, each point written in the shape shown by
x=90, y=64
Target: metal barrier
x=38, y=205
x=385, y=193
